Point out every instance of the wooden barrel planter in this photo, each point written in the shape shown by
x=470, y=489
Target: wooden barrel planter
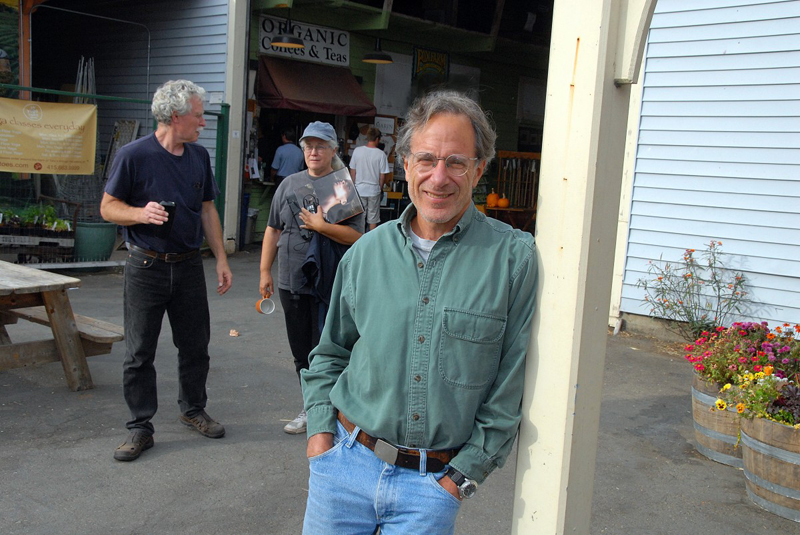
x=716, y=432
x=771, y=455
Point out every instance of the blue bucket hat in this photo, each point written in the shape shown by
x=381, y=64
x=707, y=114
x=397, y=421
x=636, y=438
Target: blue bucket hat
x=319, y=130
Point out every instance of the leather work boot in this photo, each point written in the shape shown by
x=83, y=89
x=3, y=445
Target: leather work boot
x=134, y=445
x=204, y=424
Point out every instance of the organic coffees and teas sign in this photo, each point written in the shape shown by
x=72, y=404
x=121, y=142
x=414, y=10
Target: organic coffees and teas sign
x=322, y=45
x=47, y=137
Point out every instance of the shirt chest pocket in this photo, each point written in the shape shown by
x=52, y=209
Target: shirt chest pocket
x=470, y=347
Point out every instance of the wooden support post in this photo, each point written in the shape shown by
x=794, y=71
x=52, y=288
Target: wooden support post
x=582, y=154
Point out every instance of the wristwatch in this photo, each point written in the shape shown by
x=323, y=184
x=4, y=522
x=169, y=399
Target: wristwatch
x=466, y=487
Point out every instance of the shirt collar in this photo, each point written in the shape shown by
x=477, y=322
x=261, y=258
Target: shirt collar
x=404, y=223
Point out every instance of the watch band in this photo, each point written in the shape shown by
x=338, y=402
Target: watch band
x=457, y=477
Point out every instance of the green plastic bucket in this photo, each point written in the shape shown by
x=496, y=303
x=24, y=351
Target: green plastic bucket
x=94, y=241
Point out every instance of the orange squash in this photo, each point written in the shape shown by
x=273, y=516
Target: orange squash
x=491, y=199
x=503, y=202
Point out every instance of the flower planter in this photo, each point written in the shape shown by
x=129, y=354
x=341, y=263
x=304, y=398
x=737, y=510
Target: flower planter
x=716, y=432
x=771, y=455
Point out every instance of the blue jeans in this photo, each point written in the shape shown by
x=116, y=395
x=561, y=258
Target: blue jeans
x=151, y=288
x=351, y=491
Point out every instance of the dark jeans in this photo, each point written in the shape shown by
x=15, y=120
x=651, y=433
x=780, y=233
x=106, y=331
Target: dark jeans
x=151, y=288
x=302, y=325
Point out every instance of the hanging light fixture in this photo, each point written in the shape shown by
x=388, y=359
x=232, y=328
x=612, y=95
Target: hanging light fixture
x=287, y=39
x=378, y=57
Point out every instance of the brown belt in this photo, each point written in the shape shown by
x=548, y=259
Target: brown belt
x=405, y=458
x=170, y=258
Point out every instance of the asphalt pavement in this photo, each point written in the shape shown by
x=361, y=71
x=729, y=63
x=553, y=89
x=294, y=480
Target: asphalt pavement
x=56, y=446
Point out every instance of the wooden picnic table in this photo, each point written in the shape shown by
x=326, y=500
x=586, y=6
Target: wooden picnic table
x=41, y=297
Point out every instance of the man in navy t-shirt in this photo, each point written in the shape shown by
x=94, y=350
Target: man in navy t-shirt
x=161, y=190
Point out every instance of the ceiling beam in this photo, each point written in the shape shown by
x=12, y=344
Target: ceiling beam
x=498, y=15
x=271, y=4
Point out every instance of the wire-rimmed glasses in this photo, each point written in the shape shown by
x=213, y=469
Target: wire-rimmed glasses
x=456, y=164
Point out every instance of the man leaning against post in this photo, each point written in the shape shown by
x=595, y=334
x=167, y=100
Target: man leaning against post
x=412, y=404
x=164, y=269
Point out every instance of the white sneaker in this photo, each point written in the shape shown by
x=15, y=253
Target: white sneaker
x=298, y=425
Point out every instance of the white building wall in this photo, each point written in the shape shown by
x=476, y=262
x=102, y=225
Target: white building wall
x=718, y=153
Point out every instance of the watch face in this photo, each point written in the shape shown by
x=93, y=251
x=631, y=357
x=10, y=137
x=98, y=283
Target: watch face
x=468, y=489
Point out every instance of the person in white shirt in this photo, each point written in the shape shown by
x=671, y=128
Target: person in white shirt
x=369, y=168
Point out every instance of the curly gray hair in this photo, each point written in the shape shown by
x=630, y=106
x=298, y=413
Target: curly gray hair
x=175, y=96
x=448, y=101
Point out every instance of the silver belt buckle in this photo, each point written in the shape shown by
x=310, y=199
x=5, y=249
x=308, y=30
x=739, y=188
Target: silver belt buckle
x=386, y=452
x=171, y=258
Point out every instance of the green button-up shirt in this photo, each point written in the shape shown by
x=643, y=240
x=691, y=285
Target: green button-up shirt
x=429, y=354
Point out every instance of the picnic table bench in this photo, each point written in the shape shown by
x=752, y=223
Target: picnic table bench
x=41, y=297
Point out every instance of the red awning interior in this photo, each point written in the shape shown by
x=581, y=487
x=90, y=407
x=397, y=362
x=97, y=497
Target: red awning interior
x=298, y=85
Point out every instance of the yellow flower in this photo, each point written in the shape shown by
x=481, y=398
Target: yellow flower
x=760, y=375
x=726, y=387
x=740, y=408
x=721, y=405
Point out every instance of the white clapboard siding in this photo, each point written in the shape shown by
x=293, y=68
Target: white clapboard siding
x=734, y=217
x=188, y=39
x=724, y=62
x=766, y=77
x=719, y=124
x=729, y=30
x=718, y=155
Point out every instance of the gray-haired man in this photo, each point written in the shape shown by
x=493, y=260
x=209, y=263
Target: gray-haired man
x=421, y=375
x=164, y=270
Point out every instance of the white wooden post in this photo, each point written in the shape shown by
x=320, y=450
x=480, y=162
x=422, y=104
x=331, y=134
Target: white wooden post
x=594, y=55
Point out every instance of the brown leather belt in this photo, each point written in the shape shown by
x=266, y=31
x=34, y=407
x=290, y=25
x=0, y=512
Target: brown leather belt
x=405, y=458
x=170, y=258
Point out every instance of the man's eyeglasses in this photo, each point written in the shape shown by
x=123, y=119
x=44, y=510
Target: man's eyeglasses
x=319, y=148
x=456, y=164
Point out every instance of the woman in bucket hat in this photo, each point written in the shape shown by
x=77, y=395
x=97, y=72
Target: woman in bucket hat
x=287, y=237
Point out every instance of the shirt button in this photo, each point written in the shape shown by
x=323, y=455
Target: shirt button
x=425, y=300
x=415, y=416
x=420, y=265
x=455, y=240
x=421, y=339
x=418, y=378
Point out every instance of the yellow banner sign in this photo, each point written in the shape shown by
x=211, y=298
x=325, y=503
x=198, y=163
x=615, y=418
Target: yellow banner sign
x=47, y=137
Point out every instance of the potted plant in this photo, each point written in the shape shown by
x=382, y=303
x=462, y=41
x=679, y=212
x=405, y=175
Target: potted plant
x=718, y=357
x=767, y=398
x=695, y=294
